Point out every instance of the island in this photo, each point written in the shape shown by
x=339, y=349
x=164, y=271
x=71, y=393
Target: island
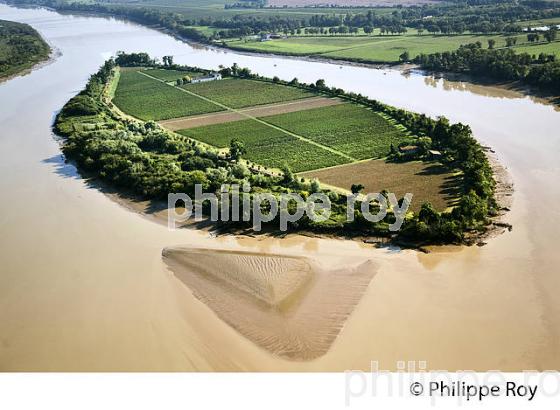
x=21, y=47
x=150, y=129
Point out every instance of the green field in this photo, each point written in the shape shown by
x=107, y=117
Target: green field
x=382, y=48
x=349, y=128
x=266, y=145
x=237, y=93
x=306, y=140
x=149, y=99
x=172, y=75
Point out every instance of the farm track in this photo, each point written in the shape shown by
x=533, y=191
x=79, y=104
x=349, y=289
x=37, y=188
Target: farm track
x=194, y=121
x=248, y=116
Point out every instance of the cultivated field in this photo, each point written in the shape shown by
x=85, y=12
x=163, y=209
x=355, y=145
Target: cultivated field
x=386, y=48
x=353, y=3
x=349, y=128
x=172, y=75
x=428, y=182
x=149, y=99
x=266, y=145
x=236, y=93
x=258, y=111
x=286, y=125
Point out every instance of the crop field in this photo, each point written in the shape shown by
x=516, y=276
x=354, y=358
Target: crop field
x=349, y=128
x=237, y=93
x=172, y=75
x=149, y=99
x=383, y=48
x=425, y=180
x=266, y=145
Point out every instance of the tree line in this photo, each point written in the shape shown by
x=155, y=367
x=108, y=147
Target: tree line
x=502, y=64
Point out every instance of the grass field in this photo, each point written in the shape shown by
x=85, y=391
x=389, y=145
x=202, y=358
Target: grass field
x=382, y=48
x=266, y=145
x=236, y=93
x=426, y=181
x=149, y=99
x=348, y=128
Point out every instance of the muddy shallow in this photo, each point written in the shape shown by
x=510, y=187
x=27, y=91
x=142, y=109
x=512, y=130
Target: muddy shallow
x=83, y=285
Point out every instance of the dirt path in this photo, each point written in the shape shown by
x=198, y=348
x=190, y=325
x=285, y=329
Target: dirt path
x=248, y=116
x=193, y=121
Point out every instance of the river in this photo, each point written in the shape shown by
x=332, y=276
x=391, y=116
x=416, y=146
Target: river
x=83, y=285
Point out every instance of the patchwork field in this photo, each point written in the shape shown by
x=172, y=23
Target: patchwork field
x=426, y=181
x=237, y=93
x=258, y=111
x=266, y=145
x=148, y=99
x=316, y=136
x=384, y=48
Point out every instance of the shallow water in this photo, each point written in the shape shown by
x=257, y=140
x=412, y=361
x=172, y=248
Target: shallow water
x=83, y=285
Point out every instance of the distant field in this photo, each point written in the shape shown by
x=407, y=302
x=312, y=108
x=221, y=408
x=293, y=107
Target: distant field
x=149, y=99
x=354, y=3
x=426, y=181
x=266, y=145
x=382, y=48
x=236, y=93
x=349, y=128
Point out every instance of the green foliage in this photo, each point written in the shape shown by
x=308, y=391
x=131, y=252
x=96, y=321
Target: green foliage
x=21, y=47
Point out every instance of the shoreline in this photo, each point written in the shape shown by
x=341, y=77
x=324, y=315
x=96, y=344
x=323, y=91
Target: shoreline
x=54, y=54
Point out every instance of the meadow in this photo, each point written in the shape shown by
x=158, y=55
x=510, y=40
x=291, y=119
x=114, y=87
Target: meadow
x=349, y=128
x=149, y=99
x=238, y=93
x=266, y=145
x=383, y=48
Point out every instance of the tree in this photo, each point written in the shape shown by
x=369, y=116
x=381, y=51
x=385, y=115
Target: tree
x=368, y=29
x=320, y=83
x=404, y=57
x=491, y=44
x=511, y=41
x=551, y=34
x=236, y=149
x=356, y=188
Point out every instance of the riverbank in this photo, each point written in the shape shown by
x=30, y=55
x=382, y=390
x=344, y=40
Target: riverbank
x=98, y=296
x=23, y=50
x=461, y=224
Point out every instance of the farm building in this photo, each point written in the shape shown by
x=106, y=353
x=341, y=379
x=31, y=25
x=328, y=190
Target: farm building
x=208, y=77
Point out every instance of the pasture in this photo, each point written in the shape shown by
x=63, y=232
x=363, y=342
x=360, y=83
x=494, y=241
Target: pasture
x=384, y=48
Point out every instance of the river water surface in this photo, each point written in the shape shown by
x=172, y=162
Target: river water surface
x=83, y=285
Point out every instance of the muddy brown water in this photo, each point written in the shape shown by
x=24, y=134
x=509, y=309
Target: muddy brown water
x=83, y=285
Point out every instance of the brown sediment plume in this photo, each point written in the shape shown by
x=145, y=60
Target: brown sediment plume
x=288, y=305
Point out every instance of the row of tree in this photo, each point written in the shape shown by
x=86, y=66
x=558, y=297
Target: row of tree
x=501, y=64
